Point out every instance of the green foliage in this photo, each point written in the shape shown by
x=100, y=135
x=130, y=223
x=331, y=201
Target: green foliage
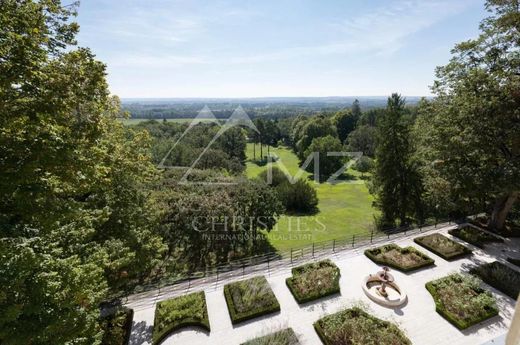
x=179, y=312
x=362, y=139
x=364, y=164
x=282, y=337
x=298, y=197
x=327, y=164
x=396, y=181
x=474, y=236
x=273, y=177
x=306, y=130
x=248, y=299
x=404, y=259
x=354, y=326
x=499, y=276
x=460, y=300
x=313, y=281
x=443, y=246
x=345, y=122
x=117, y=326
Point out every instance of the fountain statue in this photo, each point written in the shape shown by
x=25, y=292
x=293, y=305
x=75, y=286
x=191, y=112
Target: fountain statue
x=382, y=289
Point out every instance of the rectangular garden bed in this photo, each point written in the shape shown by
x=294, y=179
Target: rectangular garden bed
x=315, y=280
x=282, y=337
x=403, y=259
x=443, y=246
x=499, y=276
x=460, y=300
x=474, y=236
x=179, y=312
x=117, y=326
x=250, y=298
x=511, y=229
x=355, y=326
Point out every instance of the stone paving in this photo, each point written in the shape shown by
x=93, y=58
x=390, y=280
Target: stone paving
x=417, y=317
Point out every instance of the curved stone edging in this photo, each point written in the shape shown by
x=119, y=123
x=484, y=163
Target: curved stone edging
x=379, y=299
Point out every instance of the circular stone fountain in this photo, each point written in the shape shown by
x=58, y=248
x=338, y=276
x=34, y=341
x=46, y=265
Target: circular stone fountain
x=381, y=288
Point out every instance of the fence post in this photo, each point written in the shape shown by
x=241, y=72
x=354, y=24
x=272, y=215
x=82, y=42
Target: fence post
x=216, y=281
x=371, y=235
x=388, y=234
x=189, y=281
x=291, y=255
x=268, y=265
x=334, y=245
x=243, y=269
x=353, y=240
x=312, y=249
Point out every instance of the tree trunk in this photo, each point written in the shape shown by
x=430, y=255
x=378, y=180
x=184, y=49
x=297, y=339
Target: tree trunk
x=502, y=207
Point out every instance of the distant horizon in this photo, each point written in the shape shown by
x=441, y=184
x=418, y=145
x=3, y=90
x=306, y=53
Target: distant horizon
x=271, y=97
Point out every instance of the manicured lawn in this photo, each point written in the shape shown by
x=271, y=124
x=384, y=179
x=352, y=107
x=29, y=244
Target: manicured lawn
x=179, y=312
x=443, y=246
x=404, y=259
x=315, y=280
x=354, y=326
x=345, y=208
x=460, y=300
x=283, y=337
x=117, y=327
x=499, y=276
x=250, y=298
x=474, y=236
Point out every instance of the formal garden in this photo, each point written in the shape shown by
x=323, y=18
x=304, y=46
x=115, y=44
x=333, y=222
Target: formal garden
x=443, y=246
x=403, y=259
x=282, y=337
x=474, y=236
x=314, y=280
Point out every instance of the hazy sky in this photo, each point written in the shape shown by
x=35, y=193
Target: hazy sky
x=189, y=48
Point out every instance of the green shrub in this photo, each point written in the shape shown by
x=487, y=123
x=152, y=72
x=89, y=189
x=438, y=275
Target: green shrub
x=442, y=246
x=364, y=164
x=460, y=300
x=354, y=326
x=404, y=259
x=313, y=281
x=117, y=326
x=299, y=197
x=250, y=298
x=278, y=177
x=474, y=236
x=179, y=312
x=499, y=276
x=283, y=337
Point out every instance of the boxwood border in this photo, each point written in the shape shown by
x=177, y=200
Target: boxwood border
x=312, y=297
x=496, y=283
x=460, y=324
x=479, y=244
x=465, y=250
x=236, y=317
x=204, y=323
x=288, y=329
x=428, y=261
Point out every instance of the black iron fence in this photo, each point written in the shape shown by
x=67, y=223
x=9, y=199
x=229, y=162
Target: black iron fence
x=271, y=261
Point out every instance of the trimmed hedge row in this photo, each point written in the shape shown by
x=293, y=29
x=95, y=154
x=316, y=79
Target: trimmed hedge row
x=282, y=337
x=373, y=253
x=354, y=313
x=301, y=272
x=489, y=310
x=429, y=242
x=180, y=312
x=474, y=236
x=237, y=316
x=117, y=327
x=499, y=276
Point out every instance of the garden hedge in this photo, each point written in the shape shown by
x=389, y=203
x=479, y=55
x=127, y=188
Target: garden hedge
x=372, y=255
x=274, y=338
x=300, y=270
x=463, y=250
x=499, y=276
x=117, y=327
x=169, y=315
x=474, y=236
x=237, y=317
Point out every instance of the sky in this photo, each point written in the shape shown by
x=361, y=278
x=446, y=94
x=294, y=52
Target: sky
x=274, y=48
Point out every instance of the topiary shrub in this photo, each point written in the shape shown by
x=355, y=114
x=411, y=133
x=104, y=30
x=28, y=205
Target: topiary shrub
x=179, y=312
x=443, y=246
x=315, y=280
x=460, y=300
x=250, y=298
x=404, y=259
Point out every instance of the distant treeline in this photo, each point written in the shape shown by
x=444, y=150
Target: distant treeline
x=264, y=107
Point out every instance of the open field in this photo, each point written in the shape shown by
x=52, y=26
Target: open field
x=345, y=208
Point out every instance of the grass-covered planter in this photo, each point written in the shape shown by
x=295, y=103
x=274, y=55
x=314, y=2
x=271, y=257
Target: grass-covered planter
x=403, y=259
x=460, y=300
x=180, y=312
x=117, y=327
x=499, y=276
x=474, y=236
x=355, y=326
x=314, y=280
x=248, y=299
x=282, y=337
x=443, y=246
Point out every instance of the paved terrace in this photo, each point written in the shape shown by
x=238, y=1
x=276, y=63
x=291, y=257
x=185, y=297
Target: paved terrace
x=417, y=317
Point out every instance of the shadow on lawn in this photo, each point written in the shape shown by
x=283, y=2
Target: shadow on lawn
x=141, y=333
